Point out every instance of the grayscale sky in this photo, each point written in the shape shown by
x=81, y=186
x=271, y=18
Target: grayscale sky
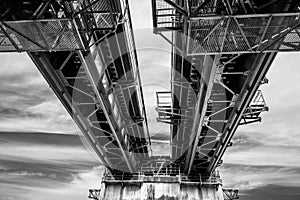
x=42, y=157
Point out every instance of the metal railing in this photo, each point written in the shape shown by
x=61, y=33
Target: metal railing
x=253, y=111
x=40, y=35
x=168, y=172
x=164, y=107
x=165, y=15
x=244, y=34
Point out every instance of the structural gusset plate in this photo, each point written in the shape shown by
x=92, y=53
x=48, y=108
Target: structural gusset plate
x=244, y=34
x=39, y=35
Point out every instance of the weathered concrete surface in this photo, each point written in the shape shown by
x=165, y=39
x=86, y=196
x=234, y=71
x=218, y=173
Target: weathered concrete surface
x=159, y=191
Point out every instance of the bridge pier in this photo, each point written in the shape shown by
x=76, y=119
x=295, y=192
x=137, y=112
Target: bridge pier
x=159, y=188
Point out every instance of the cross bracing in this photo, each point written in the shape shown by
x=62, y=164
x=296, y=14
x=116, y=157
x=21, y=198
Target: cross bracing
x=221, y=52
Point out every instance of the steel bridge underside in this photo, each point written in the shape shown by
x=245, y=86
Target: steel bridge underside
x=96, y=78
x=222, y=51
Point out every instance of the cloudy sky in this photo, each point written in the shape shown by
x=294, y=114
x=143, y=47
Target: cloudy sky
x=265, y=157
x=42, y=155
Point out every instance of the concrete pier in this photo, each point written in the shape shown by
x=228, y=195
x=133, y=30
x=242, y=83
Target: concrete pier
x=159, y=189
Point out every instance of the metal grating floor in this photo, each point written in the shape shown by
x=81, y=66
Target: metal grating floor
x=39, y=35
x=244, y=34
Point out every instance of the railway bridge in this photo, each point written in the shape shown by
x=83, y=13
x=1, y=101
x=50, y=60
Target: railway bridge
x=221, y=52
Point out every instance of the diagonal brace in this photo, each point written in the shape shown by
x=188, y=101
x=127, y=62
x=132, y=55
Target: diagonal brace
x=201, y=6
x=177, y=7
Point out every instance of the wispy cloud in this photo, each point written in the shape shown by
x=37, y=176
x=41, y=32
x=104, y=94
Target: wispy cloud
x=26, y=101
x=273, y=192
x=40, y=186
x=43, y=166
x=267, y=154
x=280, y=124
x=26, y=173
x=43, y=148
x=250, y=149
x=248, y=177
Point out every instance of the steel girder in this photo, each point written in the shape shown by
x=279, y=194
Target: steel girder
x=86, y=52
x=246, y=39
x=214, y=27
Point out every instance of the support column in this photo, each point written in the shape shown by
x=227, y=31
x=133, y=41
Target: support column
x=160, y=188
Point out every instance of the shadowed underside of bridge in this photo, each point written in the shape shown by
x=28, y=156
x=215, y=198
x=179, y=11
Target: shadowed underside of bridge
x=96, y=78
x=221, y=52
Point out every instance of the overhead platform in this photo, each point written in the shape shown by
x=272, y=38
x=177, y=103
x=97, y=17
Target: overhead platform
x=86, y=52
x=244, y=34
x=40, y=35
x=222, y=51
x=213, y=27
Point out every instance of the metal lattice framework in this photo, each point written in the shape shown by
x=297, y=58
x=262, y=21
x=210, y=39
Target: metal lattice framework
x=68, y=25
x=214, y=26
x=253, y=111
x=244, y=34
x=39, y=35
x=85, y=50
x=222, y=51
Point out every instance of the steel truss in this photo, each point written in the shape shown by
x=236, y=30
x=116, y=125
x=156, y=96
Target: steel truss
x=231, y=33
x=40, y=35
x=161, y=169
x=168, y=114
x=215, y=26
x=244, y=34
x=90, y=109
x=253, y=111
x=221, y=102
x=86, y=52
x=95, y=77
x=69, y=25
